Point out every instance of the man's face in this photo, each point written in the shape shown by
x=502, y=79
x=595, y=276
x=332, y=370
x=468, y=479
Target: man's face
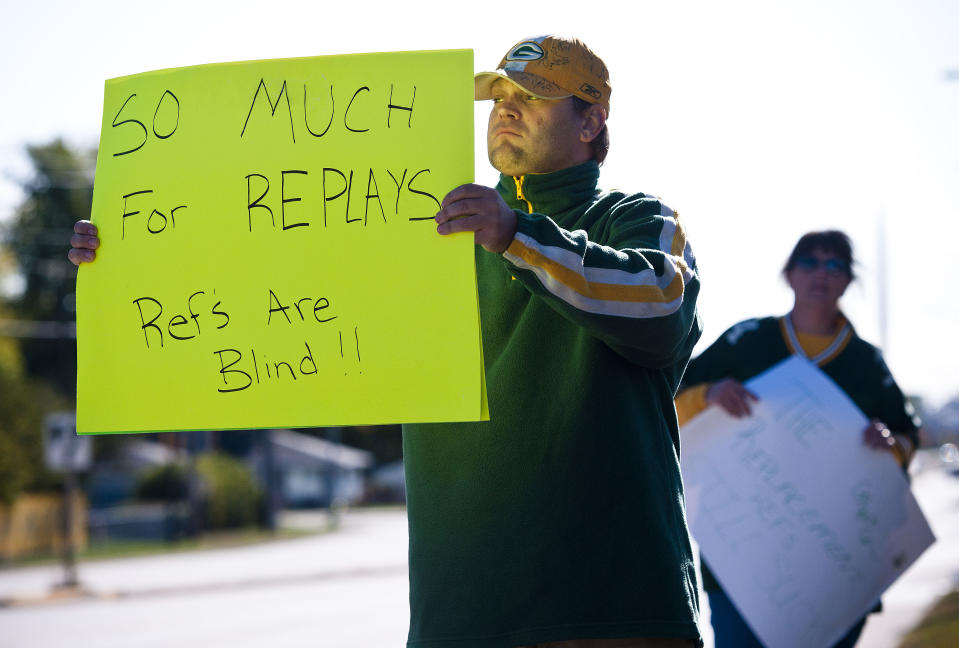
x=531, y=135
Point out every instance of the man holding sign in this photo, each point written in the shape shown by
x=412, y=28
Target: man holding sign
x=560, y=521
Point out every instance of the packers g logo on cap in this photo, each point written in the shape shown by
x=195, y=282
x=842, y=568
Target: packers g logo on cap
x=528, y=51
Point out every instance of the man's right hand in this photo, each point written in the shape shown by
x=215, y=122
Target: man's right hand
x=83, y=243
x=478, y=209
x=732, y=396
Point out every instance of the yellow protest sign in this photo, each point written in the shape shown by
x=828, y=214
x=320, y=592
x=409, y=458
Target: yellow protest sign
x=268, y=256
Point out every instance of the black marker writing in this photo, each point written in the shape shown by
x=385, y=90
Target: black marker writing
x=129, y=121
x=273, y=106
x=391, y=106
x=176, y=121
x=172, y=113
x=179, y=326
x=256, y=203
x=320, y=304
x=347, y=113
x=127, y=214
x=422, y=193
x=284, y=200
x=306, y=114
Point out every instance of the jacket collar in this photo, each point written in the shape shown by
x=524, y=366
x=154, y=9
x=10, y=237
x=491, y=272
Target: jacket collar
x=551, y=193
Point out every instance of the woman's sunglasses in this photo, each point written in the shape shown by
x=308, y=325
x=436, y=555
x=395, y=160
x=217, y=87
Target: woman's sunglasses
x=832, y=266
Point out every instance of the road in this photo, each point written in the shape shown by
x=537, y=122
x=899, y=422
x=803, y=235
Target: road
x=343, y=590
x=937, y=570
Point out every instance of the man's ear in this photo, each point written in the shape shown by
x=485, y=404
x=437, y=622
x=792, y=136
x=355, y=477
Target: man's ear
x=594, y=119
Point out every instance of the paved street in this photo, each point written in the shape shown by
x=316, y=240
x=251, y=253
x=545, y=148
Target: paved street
x=934, y=574
x=343, y=590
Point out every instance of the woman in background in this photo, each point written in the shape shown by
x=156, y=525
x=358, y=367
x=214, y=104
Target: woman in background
x=819, y=270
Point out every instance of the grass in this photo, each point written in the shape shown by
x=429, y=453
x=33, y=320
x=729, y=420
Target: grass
x=104, y=550
x=939, y=628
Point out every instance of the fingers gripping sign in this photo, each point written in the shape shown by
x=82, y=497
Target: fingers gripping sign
x=478, y=209
x=84, y=243
x=878, y=436
x=732, y=396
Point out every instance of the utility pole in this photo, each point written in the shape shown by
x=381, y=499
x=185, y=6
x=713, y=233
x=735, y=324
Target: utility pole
x=70, y=579
x=882, y=280
x=66, y=452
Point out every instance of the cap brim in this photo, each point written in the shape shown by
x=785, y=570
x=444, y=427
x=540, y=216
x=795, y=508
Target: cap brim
x=533, y=84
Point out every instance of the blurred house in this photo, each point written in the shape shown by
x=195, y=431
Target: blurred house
x=114, y=481
x=111, y=488
x=309, y=472
x=387, y=484
x=295, y=470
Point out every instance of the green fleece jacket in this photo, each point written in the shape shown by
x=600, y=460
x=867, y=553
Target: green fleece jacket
x=562, y=517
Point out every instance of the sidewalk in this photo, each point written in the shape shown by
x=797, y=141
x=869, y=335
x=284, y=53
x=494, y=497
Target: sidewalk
x=365, y=542
x=936, y=572
x=370, y=547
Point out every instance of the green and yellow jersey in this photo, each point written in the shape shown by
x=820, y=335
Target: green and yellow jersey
x=753, y=346
x=562, y=517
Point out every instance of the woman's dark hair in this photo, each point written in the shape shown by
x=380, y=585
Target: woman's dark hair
x=600, y=143
x=829, y=241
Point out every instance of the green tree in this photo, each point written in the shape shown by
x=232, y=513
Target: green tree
x=37, y=348
x=167, y=483
x=231, y=494
x=59, y=193
x=21, y=427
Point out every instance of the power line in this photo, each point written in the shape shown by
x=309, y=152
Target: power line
x=38, y=329
x=52, y=236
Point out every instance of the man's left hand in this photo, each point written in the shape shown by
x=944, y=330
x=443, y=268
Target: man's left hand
x=478, y=209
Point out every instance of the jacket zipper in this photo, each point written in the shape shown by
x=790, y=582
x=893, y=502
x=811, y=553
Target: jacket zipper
x=519, y=192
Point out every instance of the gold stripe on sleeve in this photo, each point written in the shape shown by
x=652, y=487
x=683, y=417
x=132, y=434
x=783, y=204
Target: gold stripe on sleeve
x=602, y=291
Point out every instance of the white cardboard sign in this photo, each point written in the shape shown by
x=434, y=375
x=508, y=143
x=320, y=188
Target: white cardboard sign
x=803, y=524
